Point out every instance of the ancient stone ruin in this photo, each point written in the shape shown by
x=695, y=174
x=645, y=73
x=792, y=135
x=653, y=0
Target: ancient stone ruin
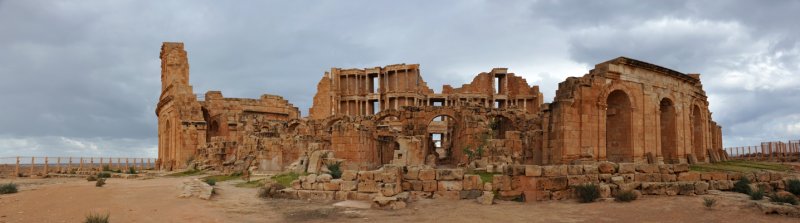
x=623, y=110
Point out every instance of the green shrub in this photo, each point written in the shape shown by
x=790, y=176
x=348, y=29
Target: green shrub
x=100, y=182
x=211, y=182
x=625, y=196
x=742, y=186
x=8, y=188
x=336, y=169
x=106, y=168
x=587, y=192
x=103, y=175
x=709, y=202
x=91, y=178
x=793, y=186
x=131, y=170
x=96, y=218
x=788, y=199
x=757, y=194
x=286, y=178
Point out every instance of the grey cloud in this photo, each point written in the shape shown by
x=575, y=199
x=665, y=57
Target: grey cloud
x=89, y=70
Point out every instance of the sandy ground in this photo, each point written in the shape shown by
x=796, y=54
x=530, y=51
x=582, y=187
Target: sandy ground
x=155, y=200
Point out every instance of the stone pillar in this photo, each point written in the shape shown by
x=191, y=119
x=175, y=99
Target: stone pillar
x=16, y=170
x=101, y=163
x=126, y=164
x=46, y=166
x=33, y=163
x=60, y=168
x=91, y=163
x=148, y=162
x=118, y=163
x=80, y=166
x=69, y=165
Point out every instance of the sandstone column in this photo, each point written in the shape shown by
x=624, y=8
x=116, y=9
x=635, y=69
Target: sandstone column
x=16, y=171
x=46, y=166
x=69, y=165
x=33, y=163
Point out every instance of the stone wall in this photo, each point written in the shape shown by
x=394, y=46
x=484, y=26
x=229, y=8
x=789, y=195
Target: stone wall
x=525, y=182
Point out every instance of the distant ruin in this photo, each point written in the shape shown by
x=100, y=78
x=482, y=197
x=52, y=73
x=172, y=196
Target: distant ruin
x=623, y=111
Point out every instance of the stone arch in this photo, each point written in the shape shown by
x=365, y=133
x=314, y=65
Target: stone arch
x=500, y=124
x=619, y=127
x=697, y=120
x=668, y=130
x=440, y=131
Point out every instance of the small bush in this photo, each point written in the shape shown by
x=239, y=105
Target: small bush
x=91, y=178
x=8, y=188
x=286, y=178
x=757, y=195
x=793, y=186
x=742, y=186
x=788, y=199
x=106, y=168
x=96, y=218
x=336, y=169
x=587, y=192
x=625, y=196
x=131, y=170
x=211, y=182
x=100, y=182
x=103, y=175
x=709, y=202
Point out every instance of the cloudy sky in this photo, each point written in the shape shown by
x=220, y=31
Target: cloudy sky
x=83, y=77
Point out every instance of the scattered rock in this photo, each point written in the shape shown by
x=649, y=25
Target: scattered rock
x=486, y=199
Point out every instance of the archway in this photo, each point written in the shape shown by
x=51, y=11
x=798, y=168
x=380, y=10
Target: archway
x=668, y=122
x=697, y=134
x=618, y=127
x=499, y=125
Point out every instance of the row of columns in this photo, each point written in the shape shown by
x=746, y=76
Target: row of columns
x=143, y=163
x=772, y=151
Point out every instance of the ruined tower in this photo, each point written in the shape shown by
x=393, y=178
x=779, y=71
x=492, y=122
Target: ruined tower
x=181, y=128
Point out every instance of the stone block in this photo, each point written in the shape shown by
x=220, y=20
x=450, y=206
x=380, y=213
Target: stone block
x=553, y=171
x=552, y=183
x=686, y=188
x=647, y=177
x=501, y=182
x=416, y=185
x=349, y=175
x=574, y=180
x=329, y=186
x=606, y=167
x=449, y=174
x=324, y=178
x=429, y=185
x=427, y=174
x=617, y=180
x=700, y=188
x=390, y=189
x=369, y=186
x=590, y=169
x=311, y=178
x=307, y=186
x=297, y=185
x=363, y=196
x=365, y=175
x=317, y=186
x=668, y=177
x=533, y=195
x=447, y=195
x=773, y=176
x=680, y=168
x=412, y=173
x=509, y=194
x=470, y=194
x=688, y=176
x=472, y=182
x=605, y=178
x=664, y=169
x=485, y=198
x=647, y=168
x=625, y=168
x=605, y=190
x=348, y=186
x=533, y=170
x=575, y=169
x=653, y=188
x=419, y=195
x=448, y=185
x=762, y=176
x=671, y=188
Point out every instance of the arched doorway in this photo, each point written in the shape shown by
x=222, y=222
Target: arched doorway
x=618, y=128
x=499, y=125
x=668, y=123
x=697, y=134
x=440, y=132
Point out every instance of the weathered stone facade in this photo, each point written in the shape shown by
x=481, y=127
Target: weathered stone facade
x=624, y=110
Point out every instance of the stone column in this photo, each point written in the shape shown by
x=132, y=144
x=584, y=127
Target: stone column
x=148, y=162
x=126, y=164
x=46, y=166
x=91, y=163
x=69, y=165
x=60, y=168
x=118, y=163
x=16, y=170
x=33, y=163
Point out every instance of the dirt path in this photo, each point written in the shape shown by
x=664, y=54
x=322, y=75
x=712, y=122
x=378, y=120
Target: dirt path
x=155, y=200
